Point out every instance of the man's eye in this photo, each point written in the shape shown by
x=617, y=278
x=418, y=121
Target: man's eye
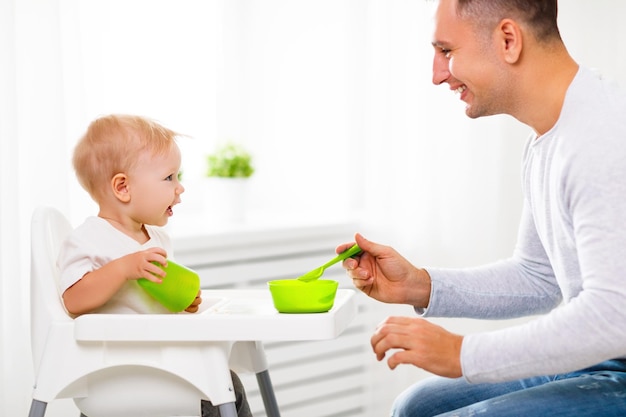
x=446, y=52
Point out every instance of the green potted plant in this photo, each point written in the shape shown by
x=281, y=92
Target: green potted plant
x=229, y=168
x=230, y=161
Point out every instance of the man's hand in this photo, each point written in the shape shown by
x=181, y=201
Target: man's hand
x=383, y=274
x=420, y=343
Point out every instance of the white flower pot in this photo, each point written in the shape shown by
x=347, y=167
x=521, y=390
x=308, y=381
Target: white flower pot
x=226, y=199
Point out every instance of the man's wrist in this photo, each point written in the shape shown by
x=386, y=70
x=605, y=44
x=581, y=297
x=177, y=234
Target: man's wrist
x=423, y=286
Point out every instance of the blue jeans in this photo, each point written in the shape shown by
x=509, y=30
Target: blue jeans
x=599, y=391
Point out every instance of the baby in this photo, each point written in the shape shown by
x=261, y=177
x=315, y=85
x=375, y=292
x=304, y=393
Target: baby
x=130, y=167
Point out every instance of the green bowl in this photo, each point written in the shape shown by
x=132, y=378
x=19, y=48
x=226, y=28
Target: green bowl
x=294, y=296
x=178, y=288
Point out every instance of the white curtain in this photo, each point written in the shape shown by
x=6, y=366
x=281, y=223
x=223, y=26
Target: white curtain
x=10, y=273
x=32, y=123
x=333, y=97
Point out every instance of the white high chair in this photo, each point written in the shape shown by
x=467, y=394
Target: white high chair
x=162, y=369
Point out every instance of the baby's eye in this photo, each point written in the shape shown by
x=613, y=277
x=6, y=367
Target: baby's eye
x=169, y=177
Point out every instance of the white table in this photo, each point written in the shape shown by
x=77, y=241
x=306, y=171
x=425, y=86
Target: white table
x=240, y=315
x=244, y=317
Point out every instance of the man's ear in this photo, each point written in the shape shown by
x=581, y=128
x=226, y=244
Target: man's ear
x=119, y=184
x=510, y=40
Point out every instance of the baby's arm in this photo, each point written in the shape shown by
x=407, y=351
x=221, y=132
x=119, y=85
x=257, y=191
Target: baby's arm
x=97, y=287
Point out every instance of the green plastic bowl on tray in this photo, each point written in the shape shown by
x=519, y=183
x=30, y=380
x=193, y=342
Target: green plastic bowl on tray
x=295, y=296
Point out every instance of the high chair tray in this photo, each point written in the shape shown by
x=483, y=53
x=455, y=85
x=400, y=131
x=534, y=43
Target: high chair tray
x=226, y=315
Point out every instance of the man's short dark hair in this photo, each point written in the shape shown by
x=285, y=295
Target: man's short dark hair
x=540, y=15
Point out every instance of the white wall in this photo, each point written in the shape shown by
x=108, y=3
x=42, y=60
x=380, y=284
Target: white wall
x=403, y=147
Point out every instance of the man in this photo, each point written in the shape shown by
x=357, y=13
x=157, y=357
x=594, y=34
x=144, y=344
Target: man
x=507, y=57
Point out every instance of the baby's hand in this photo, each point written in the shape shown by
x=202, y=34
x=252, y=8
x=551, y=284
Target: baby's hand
x=195, y=305
x=140, y=264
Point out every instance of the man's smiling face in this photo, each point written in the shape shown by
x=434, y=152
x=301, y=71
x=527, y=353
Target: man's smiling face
x=466, y=59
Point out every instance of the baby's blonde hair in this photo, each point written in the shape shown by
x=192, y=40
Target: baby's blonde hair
x=112, y=145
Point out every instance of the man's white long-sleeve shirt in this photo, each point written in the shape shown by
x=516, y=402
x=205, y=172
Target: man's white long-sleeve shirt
x=570, y=258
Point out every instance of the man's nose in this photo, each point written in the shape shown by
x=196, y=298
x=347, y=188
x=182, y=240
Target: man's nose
x=441, y=70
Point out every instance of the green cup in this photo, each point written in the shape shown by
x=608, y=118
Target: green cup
x=178, y=288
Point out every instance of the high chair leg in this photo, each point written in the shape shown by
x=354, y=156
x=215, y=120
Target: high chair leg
x=228, y=410
x=37, y=408
x=267, y=393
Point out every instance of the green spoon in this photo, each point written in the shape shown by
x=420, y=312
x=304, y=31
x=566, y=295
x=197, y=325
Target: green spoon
x=318, y=272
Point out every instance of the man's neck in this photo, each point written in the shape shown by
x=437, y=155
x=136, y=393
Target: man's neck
x=544, y=87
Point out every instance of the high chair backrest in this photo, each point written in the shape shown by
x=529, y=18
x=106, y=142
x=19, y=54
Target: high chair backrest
x=48, y=230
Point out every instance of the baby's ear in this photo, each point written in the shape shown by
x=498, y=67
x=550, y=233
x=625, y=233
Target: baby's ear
x=119, y=184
